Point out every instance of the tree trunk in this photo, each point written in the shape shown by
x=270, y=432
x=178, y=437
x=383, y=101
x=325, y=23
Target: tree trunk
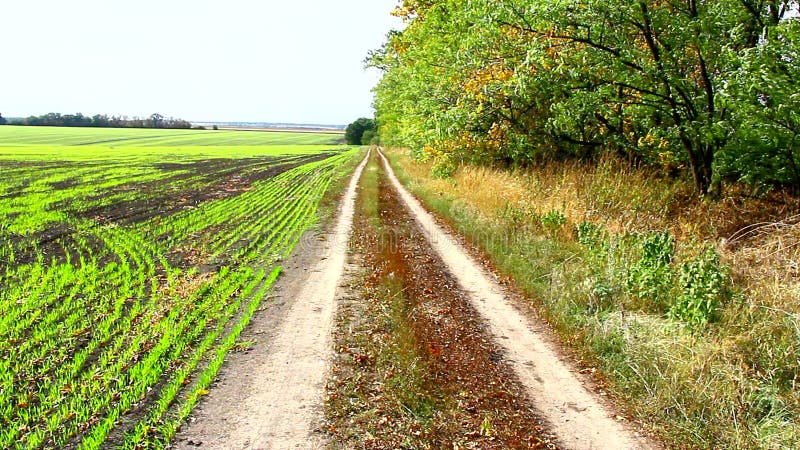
x=700, y=162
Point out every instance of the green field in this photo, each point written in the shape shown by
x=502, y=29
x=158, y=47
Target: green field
x=130, y=261
x=11, y=136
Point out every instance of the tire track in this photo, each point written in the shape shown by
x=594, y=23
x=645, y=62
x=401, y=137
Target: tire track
x=577, y=417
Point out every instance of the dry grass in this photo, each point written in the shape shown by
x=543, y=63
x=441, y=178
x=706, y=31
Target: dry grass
x=731, y=385
x=758, y=237
x=609, y=192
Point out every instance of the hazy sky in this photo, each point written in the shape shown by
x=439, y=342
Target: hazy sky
x=234, y=60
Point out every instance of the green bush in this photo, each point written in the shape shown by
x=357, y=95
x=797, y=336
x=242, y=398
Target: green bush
x=444, y=166
x=651, y=277
x=703, y=283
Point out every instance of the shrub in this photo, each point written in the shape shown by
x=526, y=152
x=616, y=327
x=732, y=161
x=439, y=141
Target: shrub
x=703, y=287
x=444, y=166
x=651, y=277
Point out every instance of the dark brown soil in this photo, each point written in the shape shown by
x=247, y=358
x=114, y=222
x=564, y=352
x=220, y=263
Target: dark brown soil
x=219, y=178
x=215, y=179
x=469, y=397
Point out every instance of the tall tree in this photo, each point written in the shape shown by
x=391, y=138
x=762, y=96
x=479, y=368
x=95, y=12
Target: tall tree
x=513, y=81
x=766, y=103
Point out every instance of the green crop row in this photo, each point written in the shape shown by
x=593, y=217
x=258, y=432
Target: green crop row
x=131, y=137
x=125, y=282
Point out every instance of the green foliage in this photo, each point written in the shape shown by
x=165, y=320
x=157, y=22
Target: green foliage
x=651, y=276
x=766, y=105
x=3, y=120
x=513, y=82
x=703, y=283
x=354, y=133
x=553, y=219
x=591, y=235
x=444, y=166
x=369, y=138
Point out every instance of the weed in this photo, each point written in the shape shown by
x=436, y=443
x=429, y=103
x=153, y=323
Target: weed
x=651, y=277
x=553, y=220
x=486, y=427
x=703, y=283
x=591, y=236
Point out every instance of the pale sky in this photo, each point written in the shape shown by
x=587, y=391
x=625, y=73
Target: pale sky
x=296, y=61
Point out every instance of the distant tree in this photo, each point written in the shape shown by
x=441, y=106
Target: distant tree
x=355, y=131
x=100, y=121
x=103, y=121
x=156, y=120
x=3, y=120
x=75, y=120
x=215, y=127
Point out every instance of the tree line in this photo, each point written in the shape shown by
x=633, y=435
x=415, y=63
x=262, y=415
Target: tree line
x=704, y=87
x=100, y=121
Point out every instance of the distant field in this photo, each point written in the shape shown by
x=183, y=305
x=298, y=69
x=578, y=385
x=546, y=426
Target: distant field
x=127, y=272
x=12, y=136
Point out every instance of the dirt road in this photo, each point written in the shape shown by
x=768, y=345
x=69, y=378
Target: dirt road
x=576, y=416
x=415, y=366
x=271, y=397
